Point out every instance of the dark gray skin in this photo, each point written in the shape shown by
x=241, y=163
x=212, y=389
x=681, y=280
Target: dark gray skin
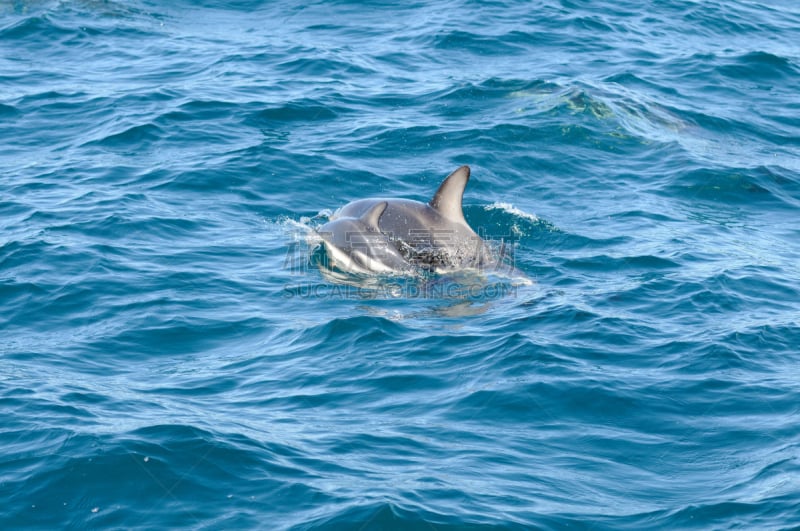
x=432, y=236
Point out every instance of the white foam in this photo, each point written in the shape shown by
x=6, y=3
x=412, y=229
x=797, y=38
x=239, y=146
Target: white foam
x=511, y=209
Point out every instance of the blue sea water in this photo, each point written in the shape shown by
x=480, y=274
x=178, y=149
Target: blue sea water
x=170, y=357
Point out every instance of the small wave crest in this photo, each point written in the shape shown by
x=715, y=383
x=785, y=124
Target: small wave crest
x=511, y=209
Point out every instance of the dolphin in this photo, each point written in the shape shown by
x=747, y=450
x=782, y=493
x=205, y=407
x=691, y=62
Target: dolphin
x=432, y=236
x=355, y=244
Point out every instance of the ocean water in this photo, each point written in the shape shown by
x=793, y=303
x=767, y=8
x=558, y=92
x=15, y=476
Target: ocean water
x=170, y=356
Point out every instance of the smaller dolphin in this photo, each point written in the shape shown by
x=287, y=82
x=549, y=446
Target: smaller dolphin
x=356, y=244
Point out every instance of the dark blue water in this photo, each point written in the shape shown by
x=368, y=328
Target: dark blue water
x=169, y=356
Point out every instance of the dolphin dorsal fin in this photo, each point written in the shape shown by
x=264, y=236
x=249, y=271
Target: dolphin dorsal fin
x=447, y=200
x=371, y=216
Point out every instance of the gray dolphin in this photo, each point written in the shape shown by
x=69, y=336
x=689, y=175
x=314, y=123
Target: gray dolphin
x=434, y=235
x=355, y=244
